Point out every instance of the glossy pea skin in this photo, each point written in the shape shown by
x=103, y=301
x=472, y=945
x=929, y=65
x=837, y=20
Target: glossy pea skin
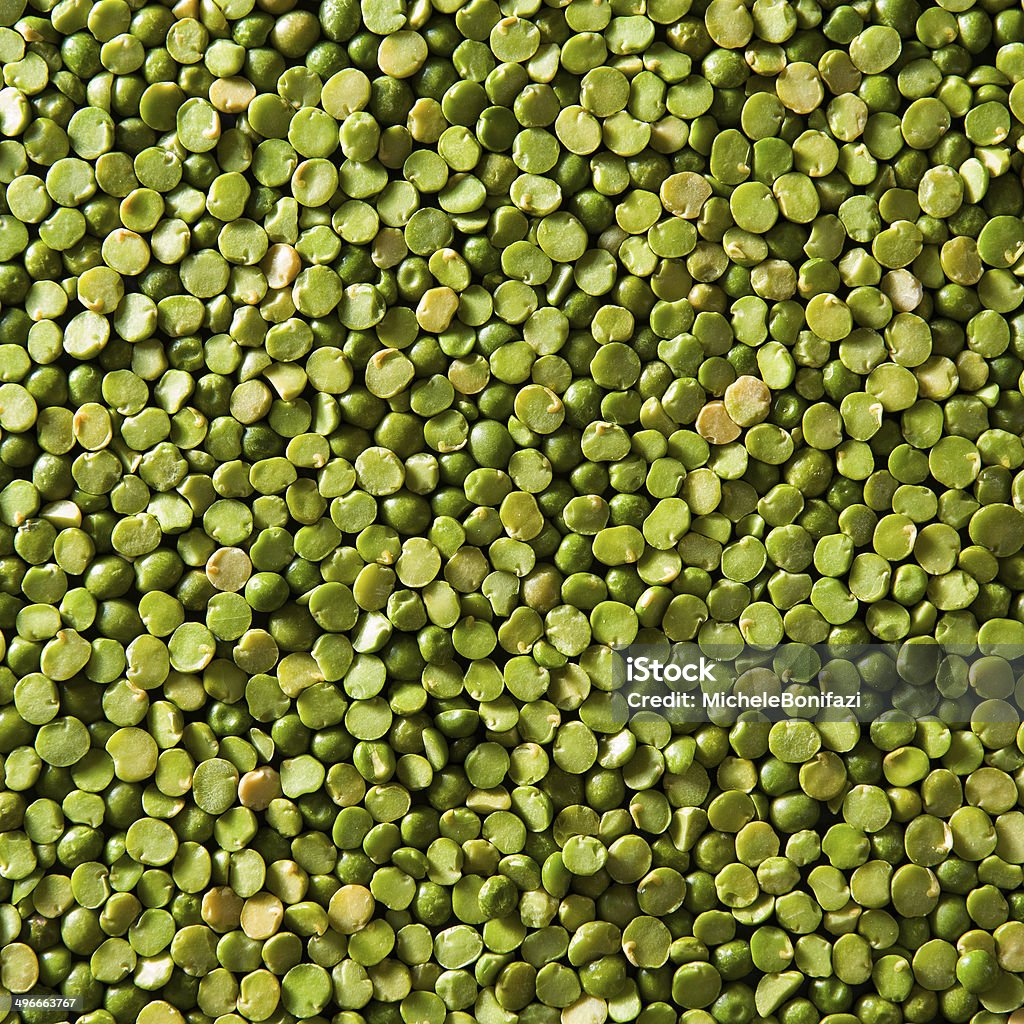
x=372, y=375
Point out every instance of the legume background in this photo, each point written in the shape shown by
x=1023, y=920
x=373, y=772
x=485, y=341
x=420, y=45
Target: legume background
x=369, y=371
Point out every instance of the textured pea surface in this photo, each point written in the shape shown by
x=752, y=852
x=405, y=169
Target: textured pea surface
x=369, y=370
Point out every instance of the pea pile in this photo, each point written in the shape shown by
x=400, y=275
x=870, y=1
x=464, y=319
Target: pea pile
x=369, y=371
